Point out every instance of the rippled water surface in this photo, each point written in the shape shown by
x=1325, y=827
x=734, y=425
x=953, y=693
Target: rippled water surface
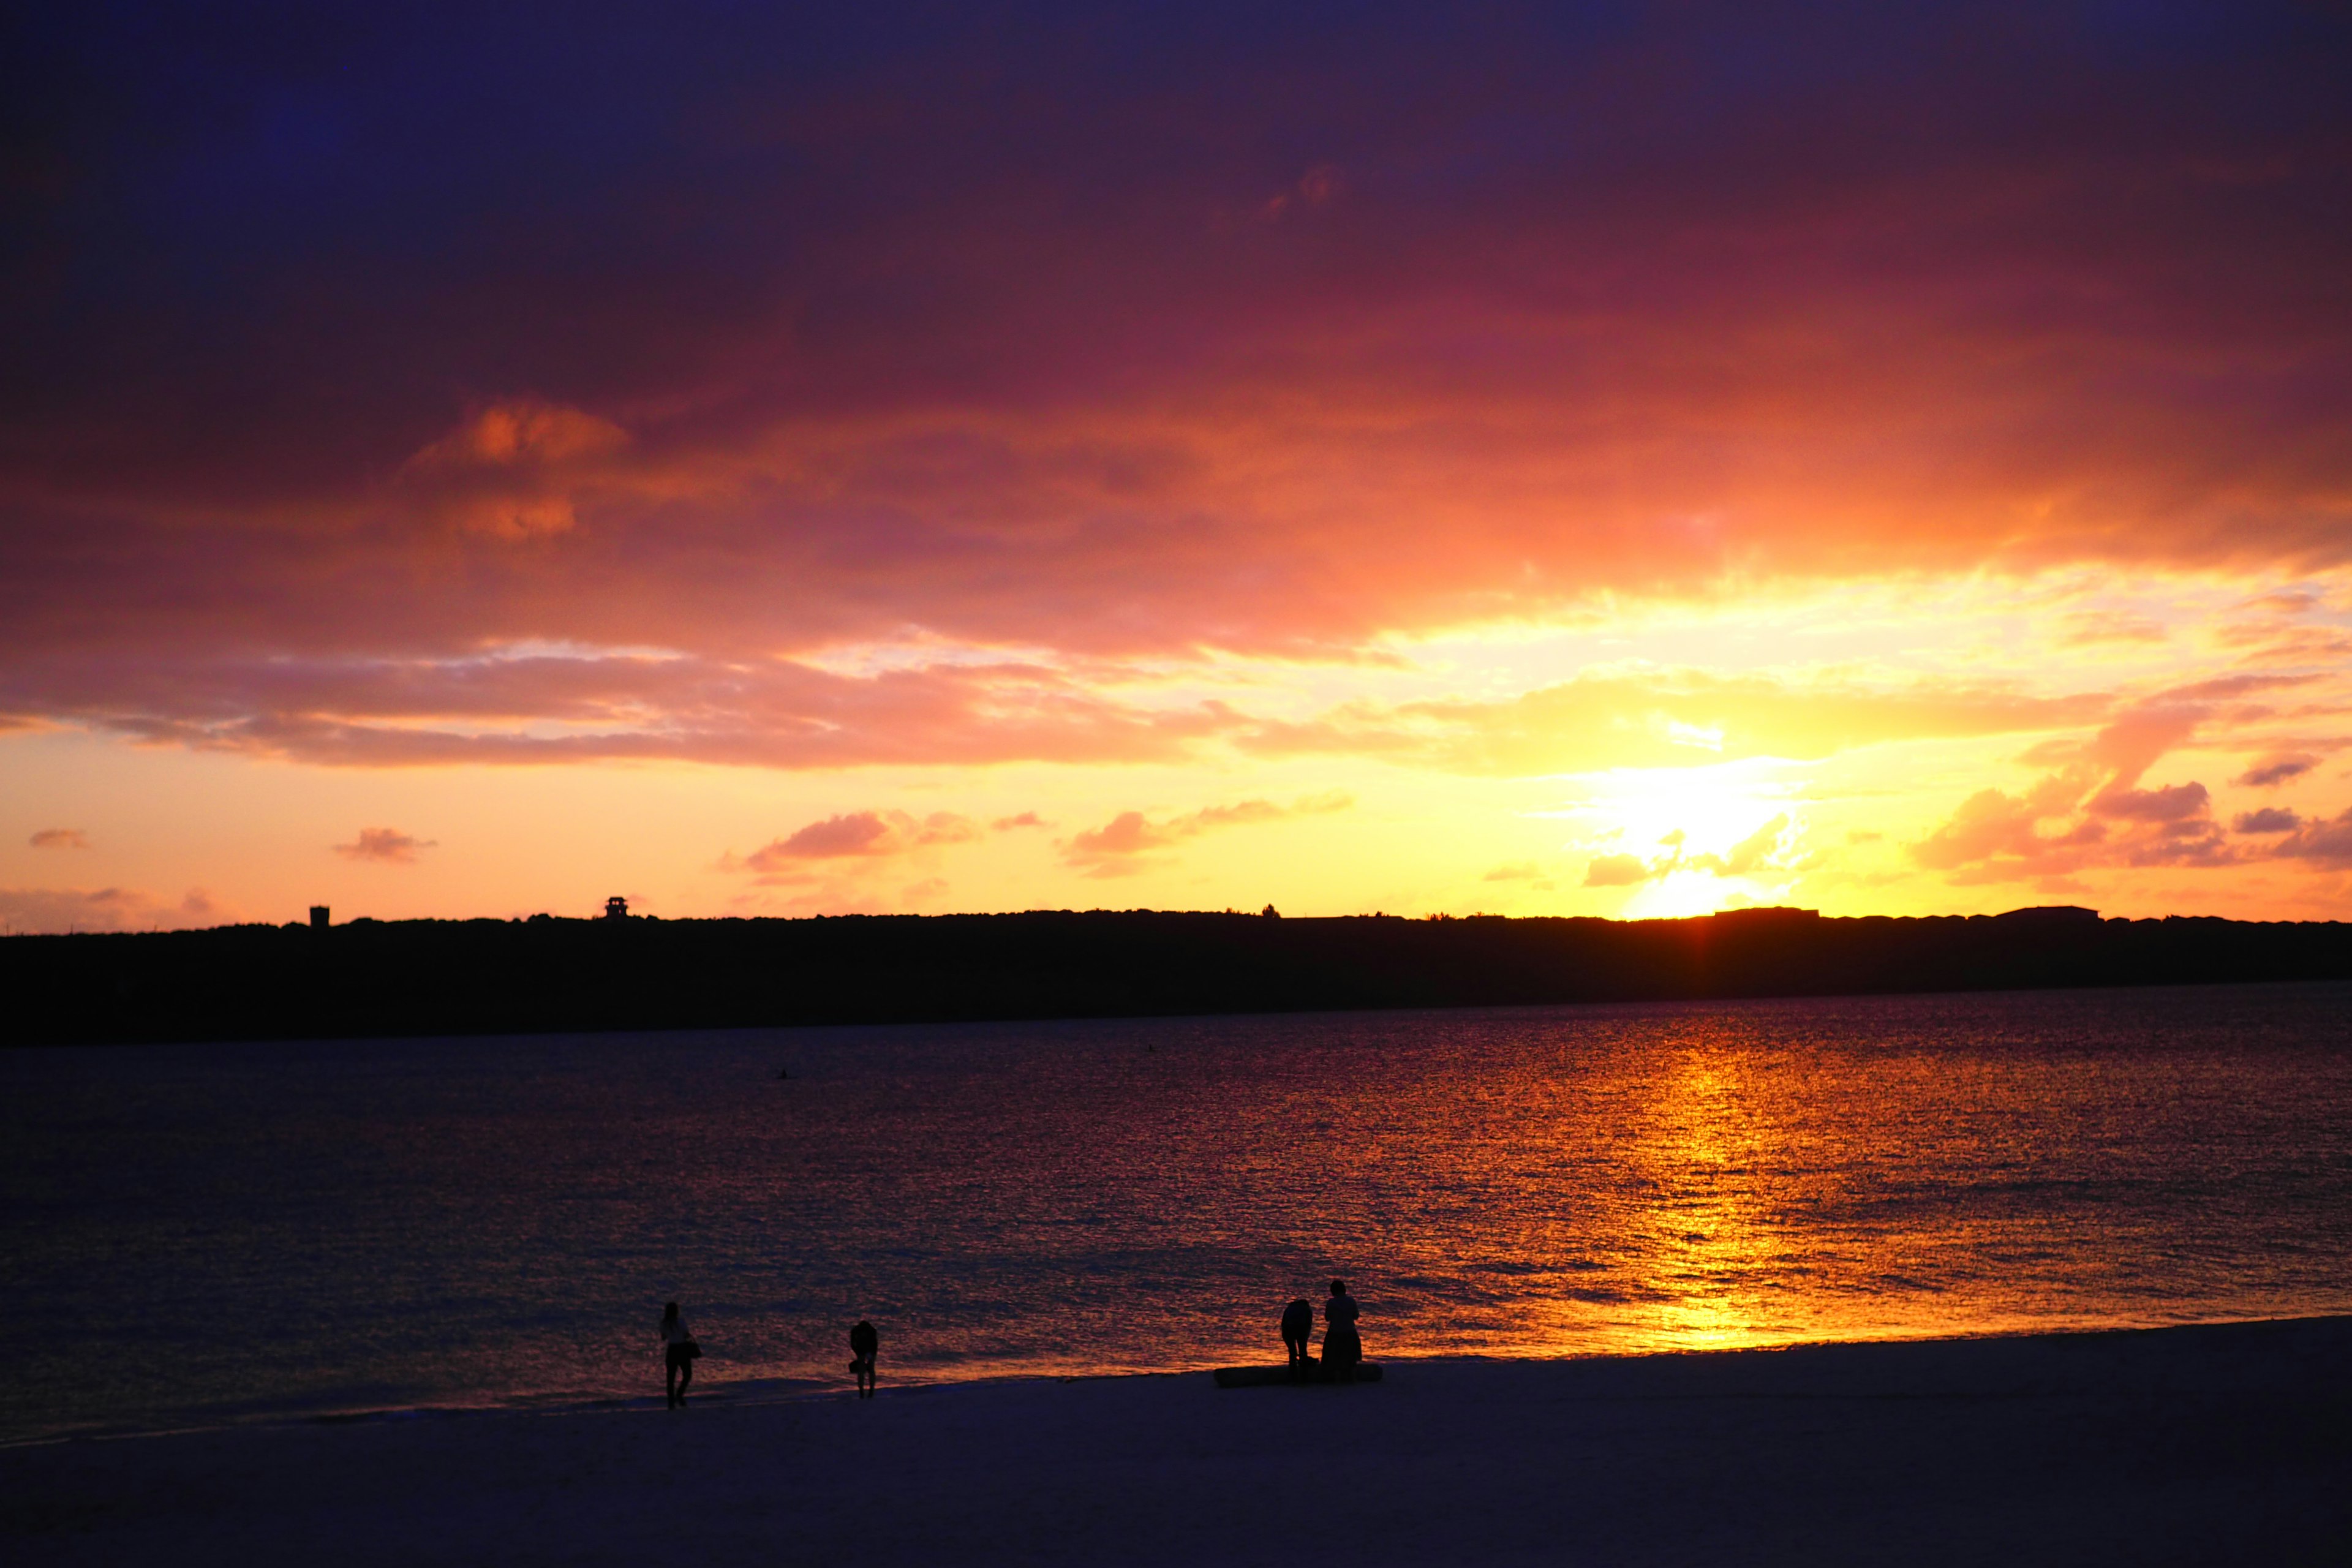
x=194, y=1233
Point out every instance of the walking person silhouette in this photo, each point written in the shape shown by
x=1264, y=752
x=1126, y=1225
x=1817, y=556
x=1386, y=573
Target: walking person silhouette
x=1342, y=1348
x=864, y=1342
x=678, y=1351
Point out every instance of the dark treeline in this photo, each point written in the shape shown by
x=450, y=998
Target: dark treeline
x=509, y=976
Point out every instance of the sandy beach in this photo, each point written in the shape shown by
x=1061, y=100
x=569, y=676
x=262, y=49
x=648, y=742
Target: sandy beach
x=2218, y=1444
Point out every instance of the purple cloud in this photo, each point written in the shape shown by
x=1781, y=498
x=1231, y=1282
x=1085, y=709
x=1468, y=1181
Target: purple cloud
x=821, y=331
x=1125, y=844
x=383, y=846
x=2275, y=770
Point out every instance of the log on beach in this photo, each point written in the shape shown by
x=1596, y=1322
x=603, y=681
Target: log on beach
x=1270, y=1376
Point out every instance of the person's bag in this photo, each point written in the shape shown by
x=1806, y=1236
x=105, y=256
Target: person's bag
x=690, y=1350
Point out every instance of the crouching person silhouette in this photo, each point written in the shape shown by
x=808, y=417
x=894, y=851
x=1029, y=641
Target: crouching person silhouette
x=1298, y=1328
x=864, y=1342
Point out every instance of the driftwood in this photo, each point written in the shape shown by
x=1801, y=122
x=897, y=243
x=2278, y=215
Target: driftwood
x=1274, y=1376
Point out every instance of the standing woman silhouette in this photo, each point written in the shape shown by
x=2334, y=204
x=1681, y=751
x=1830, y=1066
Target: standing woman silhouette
x=1342, y=1348
x=678, y=1351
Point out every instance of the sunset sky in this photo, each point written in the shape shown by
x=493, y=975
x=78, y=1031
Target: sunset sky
x=1577, y=459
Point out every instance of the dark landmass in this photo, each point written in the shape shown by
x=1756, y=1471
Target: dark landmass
x=430, y=977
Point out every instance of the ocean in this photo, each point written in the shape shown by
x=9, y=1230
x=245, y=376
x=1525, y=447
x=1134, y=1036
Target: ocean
x=199, y=1235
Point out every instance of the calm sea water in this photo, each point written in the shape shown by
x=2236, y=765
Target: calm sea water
x=200, y=1234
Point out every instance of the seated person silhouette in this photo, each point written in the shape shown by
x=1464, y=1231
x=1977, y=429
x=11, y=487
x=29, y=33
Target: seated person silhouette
x=1342, y=1348
x=1298, y=1328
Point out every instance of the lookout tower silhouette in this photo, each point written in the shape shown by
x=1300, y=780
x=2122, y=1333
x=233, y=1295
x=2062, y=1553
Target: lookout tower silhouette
x=617, y=907
x=317, y=916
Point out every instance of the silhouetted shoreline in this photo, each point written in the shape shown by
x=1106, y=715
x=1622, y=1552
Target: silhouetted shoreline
x=2220, y=1443
x=543, y=974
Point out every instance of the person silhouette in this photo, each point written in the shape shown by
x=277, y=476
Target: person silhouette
x=678, y=1351
x=1298, y=1328
x=863, y=1345
x=1342, y=1348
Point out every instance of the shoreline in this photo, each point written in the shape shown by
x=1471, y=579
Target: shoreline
x=2194, y=1443
x=758, y=1392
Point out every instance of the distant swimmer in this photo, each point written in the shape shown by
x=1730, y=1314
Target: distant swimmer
x=1298, y=1328
x=864, y=1342
x=678, y=1354
x=1342, y=1348
x=780, y=1073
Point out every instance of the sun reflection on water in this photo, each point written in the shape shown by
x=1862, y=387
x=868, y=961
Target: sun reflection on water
x=1704, y=1237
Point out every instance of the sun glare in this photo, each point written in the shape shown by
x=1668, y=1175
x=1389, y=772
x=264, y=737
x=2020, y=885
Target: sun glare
x=1690, y=840
x=1677, y=894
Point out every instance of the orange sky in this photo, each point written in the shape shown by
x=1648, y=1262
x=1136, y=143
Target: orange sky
x=1572, y=461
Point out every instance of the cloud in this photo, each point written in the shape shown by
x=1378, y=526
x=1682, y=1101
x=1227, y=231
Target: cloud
x=2174, y=803
x=1125, y=834
x=2099, y=815
x=1665, y=718
x=385, y=845
x=831, y=866
x=61, y=839
x=1760, y=851
x=859, y=348
x=2301, y=646
x=859, y=833
x=1751, y=854
x=2276, y=769
x=2328, y=843
x=1992, y=826
x=511, y=470
x=1127, y=842
x=32, y=910
x=1618, y=871
x=2269, y=820
x=1524, y=872
x=541, y=706
x=2268, y=635
x=510, y=707
x=520, y=435
x=862, y=835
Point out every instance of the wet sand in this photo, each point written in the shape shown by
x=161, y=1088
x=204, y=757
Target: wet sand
x=2223, y=1443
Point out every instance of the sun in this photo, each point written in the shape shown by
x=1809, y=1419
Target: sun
x=1677, y=895
x=1705, y=837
